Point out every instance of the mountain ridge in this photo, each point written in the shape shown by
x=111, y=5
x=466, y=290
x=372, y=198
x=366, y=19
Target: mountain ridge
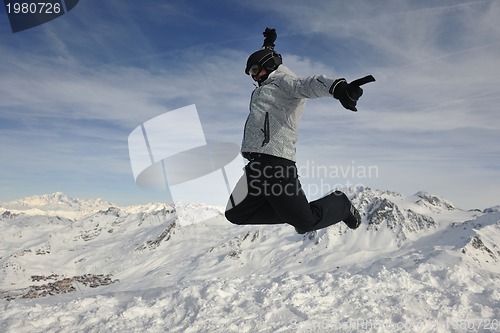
x=52, y=203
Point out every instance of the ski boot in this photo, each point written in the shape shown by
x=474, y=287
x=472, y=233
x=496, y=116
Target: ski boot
x=354, y=219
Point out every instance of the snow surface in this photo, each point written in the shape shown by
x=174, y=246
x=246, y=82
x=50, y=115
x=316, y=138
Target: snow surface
x=417, y=264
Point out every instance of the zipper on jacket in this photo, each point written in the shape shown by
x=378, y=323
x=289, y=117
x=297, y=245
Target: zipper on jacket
x=265, y=130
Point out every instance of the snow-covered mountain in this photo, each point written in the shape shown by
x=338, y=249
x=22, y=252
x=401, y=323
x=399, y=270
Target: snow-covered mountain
x=417, y=264
x=55, y=204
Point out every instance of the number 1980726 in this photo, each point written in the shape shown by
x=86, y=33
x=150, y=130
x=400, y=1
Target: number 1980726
x=34, y=8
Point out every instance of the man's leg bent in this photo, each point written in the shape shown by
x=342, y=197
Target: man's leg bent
x=292, y=206
x=247, y=205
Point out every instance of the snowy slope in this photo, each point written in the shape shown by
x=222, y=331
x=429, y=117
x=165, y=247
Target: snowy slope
x=417, y=264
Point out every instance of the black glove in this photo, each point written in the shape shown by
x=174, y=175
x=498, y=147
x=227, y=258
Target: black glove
x=349, y=93
x=270, y=36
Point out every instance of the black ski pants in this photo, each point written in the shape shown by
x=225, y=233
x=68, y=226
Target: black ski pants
x=270, y=193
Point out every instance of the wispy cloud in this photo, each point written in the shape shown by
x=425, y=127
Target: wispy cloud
x=72, y=91
x=433, y=105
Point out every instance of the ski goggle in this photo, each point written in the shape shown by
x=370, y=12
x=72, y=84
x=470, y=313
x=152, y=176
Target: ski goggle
x=254, y=70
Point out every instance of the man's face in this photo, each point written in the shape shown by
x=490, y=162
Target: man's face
x=259, y=74
x=256, y=72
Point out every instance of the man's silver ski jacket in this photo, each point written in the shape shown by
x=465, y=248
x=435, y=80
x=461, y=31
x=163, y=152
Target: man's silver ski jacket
x=275, y=110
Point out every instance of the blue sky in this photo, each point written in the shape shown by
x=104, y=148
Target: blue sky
x=73, y=89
